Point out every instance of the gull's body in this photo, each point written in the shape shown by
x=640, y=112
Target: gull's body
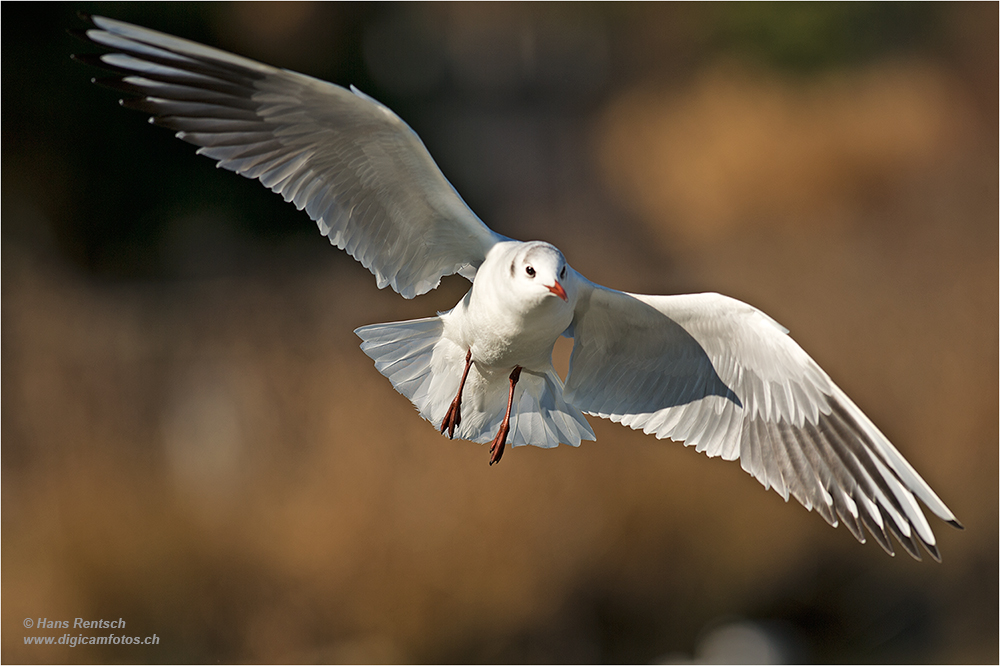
x=704, y=369
x=507, y=320
x=505, y=326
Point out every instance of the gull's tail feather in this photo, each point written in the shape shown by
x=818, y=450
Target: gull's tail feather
x=414, y=357
x=426, y=367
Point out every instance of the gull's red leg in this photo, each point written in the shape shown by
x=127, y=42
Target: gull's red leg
x=496, y=447
x=454, y=416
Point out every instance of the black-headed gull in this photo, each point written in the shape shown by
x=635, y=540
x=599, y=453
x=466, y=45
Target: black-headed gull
x=703, y=369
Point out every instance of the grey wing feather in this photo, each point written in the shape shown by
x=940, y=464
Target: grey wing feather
x=725, y=378
x=354, y=166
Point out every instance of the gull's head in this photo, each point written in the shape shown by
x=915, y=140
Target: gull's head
x=539, y=270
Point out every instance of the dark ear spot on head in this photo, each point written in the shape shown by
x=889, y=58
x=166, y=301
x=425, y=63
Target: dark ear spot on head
x=512, y=269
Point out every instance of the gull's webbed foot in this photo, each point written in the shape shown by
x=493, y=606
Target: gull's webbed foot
x=453, y=418
x=498, y=443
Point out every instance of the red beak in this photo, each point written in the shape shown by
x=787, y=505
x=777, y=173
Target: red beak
x=558, y=290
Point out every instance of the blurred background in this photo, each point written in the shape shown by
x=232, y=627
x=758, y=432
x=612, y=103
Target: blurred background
x=192, y=440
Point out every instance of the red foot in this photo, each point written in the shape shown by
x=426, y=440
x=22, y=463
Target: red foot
x=454, y=416
x=497, y=446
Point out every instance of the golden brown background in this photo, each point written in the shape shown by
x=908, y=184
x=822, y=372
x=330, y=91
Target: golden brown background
x=192, y=440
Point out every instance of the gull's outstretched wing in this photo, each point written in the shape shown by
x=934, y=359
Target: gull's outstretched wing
x=725, y=378
x=358, y=170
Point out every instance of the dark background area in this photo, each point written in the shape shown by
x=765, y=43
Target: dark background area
x=192, y=440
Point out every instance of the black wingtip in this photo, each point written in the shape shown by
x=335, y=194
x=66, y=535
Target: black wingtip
x=79, y=33
x=956, y=524
x=113, y=83
x=92, y=59
x=140, y=104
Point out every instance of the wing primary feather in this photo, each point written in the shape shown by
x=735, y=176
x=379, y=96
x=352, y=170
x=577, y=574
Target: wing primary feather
x=844, y=484
x=877, y=531
x=906, y=540
x=809, y=479
x=837, y=502
x=775, y=459
x=171, y=59
x=889, y=490
x=848, y=439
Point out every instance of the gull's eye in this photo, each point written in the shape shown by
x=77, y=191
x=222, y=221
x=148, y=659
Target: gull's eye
x=562, y=273
x=530, y=270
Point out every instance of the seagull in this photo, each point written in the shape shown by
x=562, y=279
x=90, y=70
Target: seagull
x=703, y=369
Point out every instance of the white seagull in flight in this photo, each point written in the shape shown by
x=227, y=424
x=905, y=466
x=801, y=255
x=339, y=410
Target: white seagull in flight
x=703, y=369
